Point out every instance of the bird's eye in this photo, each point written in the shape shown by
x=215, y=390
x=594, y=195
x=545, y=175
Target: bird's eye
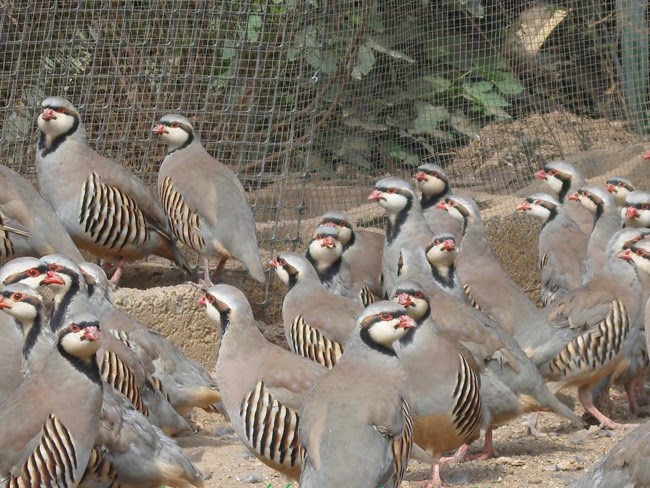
x=210, y=298
x=552, y=172
x=343, y=223
x=417, y=294
x=620, y=184
x=282, y=262
x=74, y=328
x=391, y=190
x=434, y=174
x=640, y=252
x=644, y=206
x=17, y=297
x=386, y=316
x=436, y=242
x=174, y=125
x=32, y=272
x=61, y=110
x=451, y=203
x=536, y=202
x=53, y=267
x=318, y=236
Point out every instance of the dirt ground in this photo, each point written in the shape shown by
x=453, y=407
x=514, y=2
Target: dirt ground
x=158, y=296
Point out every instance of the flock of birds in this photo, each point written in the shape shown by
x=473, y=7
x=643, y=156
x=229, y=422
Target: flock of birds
x=402, y=345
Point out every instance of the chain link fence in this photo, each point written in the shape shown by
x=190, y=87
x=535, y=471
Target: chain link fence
x=311, y=100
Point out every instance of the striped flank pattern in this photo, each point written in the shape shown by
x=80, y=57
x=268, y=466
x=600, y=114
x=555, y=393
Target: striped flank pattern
x=467, y=410
x=185, y=224
x=311, y=344
x=119, y=376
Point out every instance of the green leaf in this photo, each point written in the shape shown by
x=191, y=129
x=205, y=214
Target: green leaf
x=486, y=98
x=253, y=28
x=428, y=118
x=228, y=50
x=465, y=125
x=474, y=7
x=365, y=62
x=436, y=84
x=396, y=151
x=507, y=83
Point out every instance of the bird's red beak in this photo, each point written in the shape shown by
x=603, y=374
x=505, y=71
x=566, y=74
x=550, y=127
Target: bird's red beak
x=48, y=114
x=523, y=207
x=540, y=175
x=159, y=130
x=202, y=301
x=91, y=333
x=611, y=187
x=631, y=212
x=449, y=245
x=404, y=299
x=442, y=205
x=406, y=322
x=574, y=197
x=421, y=176
x=626, y=255
x=273, y=263
x=328, y=242
x=3, y=304
x=375, y=196
x=52, y=279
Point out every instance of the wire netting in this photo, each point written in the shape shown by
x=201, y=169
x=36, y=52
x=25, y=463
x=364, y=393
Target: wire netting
x=311, y=100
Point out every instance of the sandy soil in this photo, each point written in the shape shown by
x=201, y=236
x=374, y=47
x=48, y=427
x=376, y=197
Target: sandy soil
x=555, y=460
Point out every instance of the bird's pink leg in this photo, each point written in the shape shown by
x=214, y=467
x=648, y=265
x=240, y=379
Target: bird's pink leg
x=115, y=279
x=488, y=449
x=584, y=394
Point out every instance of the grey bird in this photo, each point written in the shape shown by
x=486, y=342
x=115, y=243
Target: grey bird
x=441, y=255
x=562, y=248
x=204, y=201
x=355, y=424
x=563, y=179
x=582, y=337
x=405, y=223
x=607, y=221
x=443, y=387
x=433, y=183
x=317, y=321
x=186, y=383
x=481, y=272
x=619, y=187
x=49, y=424
x=104, y=207
x=636, y=209
x=325, y=253
x=510, y=384
x=362, y=249
x=625, y=466
x=28, y=224
x=262, y=384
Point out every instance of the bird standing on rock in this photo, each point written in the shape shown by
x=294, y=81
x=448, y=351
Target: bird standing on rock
x=205, y=202
x=106, y=210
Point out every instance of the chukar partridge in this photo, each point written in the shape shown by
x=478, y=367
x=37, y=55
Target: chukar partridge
x=186, y=383
x=433, y=183
x=636, y=209
x=619, y=187
x=582, y=337
x=441, y=255
x=562, y=247
x=443, y=388
x=28, y=224
x=262, y=384
x=204, y=201
x=405, y=223
x=355, y=423
x=317, y=322
x=481, y=272
x=325, y=253
x=625, y=466
x=511, y=385
x=563, y=179
x=362, y=249
x=607, y=221
x=106, y=209
x=49, y=424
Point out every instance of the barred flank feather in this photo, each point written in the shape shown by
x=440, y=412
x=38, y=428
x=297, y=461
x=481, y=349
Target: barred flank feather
x=184, y=223
x=311, y=344
x=467, y=408
x=119, y=376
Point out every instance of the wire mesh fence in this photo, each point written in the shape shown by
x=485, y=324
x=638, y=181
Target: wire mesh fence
x=310, y=100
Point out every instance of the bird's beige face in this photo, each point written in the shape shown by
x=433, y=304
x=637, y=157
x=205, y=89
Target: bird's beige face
x=57, y=279
x=455, y=209
x=55, y=121
x=536, y=207
x=442, y=251
x=554, y=178
x=619, y=190
x=28, y=271
x=393, y=199
x=284, y=268
x=21, y=305
x=430, y=183
x=81, y=340
x=388, y=326
x=325, y=249
x=343, y=227
x=638, y=255
x=174, y=133
x=214, y=305
x=586, y=198
x=637, y=215
x=414, y=301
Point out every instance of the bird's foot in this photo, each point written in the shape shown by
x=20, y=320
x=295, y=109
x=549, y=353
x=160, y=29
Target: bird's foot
x=460, y=455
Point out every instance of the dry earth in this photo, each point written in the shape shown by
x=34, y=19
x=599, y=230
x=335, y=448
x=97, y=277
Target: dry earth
x=156, y=294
